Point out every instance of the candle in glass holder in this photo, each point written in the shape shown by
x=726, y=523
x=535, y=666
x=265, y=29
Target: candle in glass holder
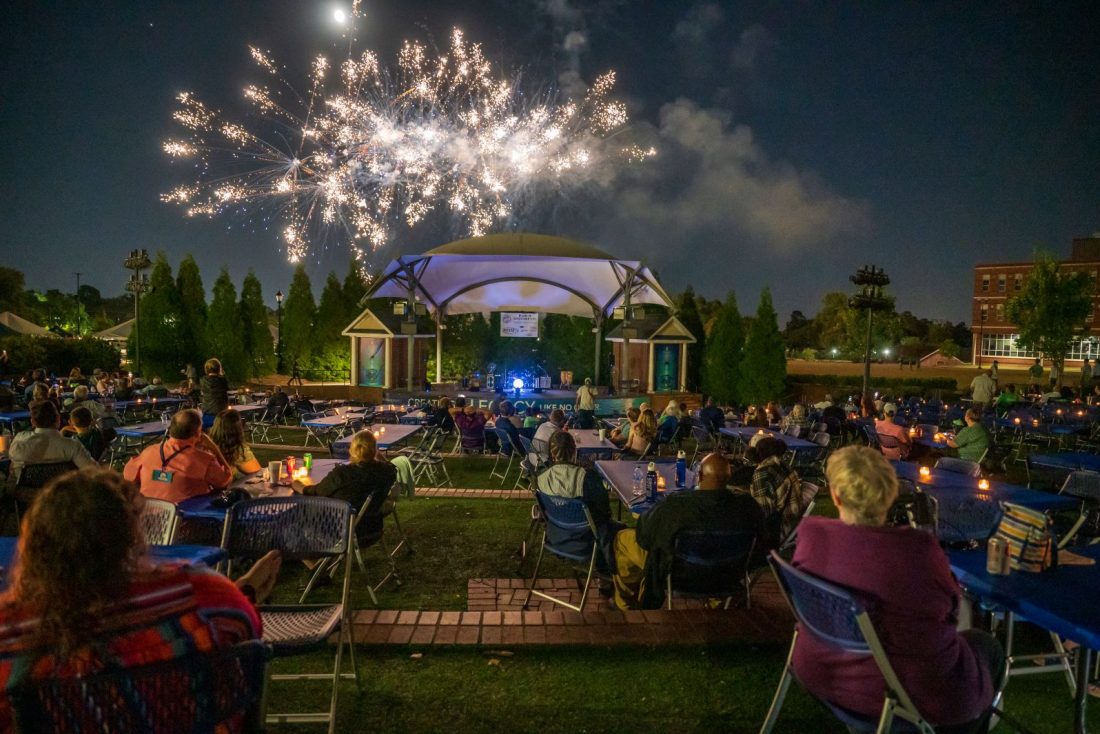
x=925, y=472
x=983, y=484
x=1016, y=420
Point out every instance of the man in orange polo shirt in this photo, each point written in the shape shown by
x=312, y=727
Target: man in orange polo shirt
x=887, y=427
x=184, y=465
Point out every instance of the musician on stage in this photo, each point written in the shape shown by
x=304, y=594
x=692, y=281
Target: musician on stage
x=586, y=405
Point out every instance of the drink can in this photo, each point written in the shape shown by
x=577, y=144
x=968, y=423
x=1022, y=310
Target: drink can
x=996, y=563
x=307, y=461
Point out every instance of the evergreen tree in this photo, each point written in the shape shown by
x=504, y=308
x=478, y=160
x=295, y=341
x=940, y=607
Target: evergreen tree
x=688, y=312
x=354, y=290
x=259, y=347
x=333, y=351
x=299, y=314
x=722, y=358
x=159, y=326
x=224, y=329
x=192, y=296
x=764, y=369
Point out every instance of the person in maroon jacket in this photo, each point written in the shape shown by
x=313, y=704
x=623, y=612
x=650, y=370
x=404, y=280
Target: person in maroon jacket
x=903, y=573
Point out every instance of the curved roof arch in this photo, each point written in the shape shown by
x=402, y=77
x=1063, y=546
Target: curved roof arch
x=519, y=272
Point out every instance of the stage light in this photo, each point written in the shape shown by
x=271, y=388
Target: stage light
x=339, y=16
x=517, y=384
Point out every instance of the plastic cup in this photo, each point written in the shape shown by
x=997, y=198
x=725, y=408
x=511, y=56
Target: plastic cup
x=603, y=435
x=275, y=472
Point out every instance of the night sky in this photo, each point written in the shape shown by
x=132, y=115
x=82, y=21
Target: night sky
x=796, y=141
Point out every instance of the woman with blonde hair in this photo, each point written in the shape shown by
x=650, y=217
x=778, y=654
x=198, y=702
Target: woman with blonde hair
x=951, y=676
x=228, y=433
x=642, y=433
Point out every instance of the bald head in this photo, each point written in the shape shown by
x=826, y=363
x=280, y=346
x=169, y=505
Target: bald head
x=714, y=472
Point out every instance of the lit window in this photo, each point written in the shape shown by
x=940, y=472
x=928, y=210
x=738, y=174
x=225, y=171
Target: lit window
x=985, y=283
x=1019, y=281
x=1001, y=281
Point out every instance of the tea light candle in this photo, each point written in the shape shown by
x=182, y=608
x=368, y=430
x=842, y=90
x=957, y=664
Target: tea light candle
x=983, y=484
x=925, y=472
x=1016, y=420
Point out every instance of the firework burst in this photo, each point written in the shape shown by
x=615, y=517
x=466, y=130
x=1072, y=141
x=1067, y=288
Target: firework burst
x=370, y=149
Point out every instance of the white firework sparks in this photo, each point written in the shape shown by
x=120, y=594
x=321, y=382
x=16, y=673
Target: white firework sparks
x=369, y=149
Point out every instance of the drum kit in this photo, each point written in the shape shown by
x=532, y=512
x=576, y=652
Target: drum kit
x=532, y=378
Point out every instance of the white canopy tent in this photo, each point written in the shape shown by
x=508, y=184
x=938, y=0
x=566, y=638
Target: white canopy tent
x=517, y=272
x=12, y=324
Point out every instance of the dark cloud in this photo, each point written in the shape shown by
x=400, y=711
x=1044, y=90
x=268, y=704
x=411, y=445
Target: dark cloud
x=752, y=43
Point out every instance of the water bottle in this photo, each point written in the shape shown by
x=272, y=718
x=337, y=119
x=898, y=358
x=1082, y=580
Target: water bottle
x=651, y=483
x=681, y=469
x=637, y=480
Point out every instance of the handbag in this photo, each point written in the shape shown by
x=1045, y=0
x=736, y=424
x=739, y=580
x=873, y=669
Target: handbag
x=1029, y=535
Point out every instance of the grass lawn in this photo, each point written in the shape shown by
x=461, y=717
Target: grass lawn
x=566, y=689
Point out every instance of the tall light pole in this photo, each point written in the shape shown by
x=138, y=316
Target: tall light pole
x=279, y=328
x=870, y=299
x=138, y=284
x=981, y=327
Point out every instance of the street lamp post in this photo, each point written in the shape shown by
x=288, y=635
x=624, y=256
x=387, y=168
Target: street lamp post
x=279, y=329
x=138, y=284
x=870, y=298
x=981, y=329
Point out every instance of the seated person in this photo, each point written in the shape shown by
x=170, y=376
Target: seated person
x=367, y=478
x=123, y=390
x=672, y=410
x=38, y=377
x=951, y=676
x=1006, y=400
x=797, y=417
x=541, y=442
x=441, y=417
x=563, y=477
x=774, y=413
x=83, y=599
x=155, y=389
x=712, y=417
x=76, y=377
x=643, y=555
x=642, y=433
x=278, y=400
x=186, y=464
x=214, y=388
x=471, y=426
x=530, y=418
x=83, y=429
x=756, y=417
x=777, y=489
x=81, y=399
x=44, y=444
x=621, y=436
x=973, y=441
x=887, y=427
x=228, y=433
x=509, y=423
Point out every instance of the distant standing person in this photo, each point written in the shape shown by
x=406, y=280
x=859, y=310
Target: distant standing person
x=214, y=388
x=1055, y=374
x=586, y=405
x=3, y=362
x=190, y=372
x=295, y=373
x=1086, y=377
x=1035, y=371
x=982, y=389
x=994, y=372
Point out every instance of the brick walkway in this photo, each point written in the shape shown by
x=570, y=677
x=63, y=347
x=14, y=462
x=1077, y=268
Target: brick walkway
x=474, y=494
x=768, y=620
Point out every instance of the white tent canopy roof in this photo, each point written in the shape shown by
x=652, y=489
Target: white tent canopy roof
x=118, y=332
x=19, y=325
x=519, y=272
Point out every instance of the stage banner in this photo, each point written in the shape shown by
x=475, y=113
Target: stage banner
x=519, y=324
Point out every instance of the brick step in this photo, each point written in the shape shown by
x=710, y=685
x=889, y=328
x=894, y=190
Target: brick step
x=474, y=493
x=768, y=621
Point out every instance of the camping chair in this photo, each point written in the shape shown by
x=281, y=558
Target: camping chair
x=301, y=528
x=1086, y=486
x=158, y=521
x=568, y=532
x=704, y=442
x=959, y=466
x=221, y=690
x=504, y=444
x=836, y=617
x=711, y=563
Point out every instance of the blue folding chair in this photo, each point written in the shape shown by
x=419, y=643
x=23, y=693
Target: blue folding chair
x=504, y=446
x=1086, y=486
x=711, y=563
x=835, y=616
x=301, y=528
x=200, y=692
x=568, y=532
x=959, y=466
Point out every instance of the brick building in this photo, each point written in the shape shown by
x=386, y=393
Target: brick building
x=994, y=284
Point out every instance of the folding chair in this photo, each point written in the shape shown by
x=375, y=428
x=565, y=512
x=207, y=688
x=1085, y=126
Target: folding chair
x=158, y=521
x=569, y=533
x=1086, y=486
x=429, y=464
x=711, y=563
x=530, y=464
x=887, y=442
x=222, y=690
x=301, y=528
x=809, y=500
x=270, y=420
x=704, y=441
x=793, y=430
x=836, y=617
x=504, y=442
x=31, y=479
x=959, y=466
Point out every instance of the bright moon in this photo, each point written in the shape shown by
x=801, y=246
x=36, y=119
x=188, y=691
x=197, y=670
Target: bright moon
x=339, y=15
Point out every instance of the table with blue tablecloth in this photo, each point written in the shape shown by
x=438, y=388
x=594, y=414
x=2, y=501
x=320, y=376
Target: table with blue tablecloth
x=619, y=477
x=11, y=418
x=394, y=434
x=1063, y=600
x=1066, y=461
x=745, y=434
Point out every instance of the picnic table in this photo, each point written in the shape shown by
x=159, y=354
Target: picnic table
x=619, y=477
x=394, y=434
x=745, y=434
x=1062, y=600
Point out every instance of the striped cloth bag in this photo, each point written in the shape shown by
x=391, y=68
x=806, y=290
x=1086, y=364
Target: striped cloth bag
x=1029, y=535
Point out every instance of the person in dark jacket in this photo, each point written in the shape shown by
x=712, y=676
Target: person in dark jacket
x=712, y=417
x=643, y=555
x=367, y=478
x=214, y=387
x=441, y=417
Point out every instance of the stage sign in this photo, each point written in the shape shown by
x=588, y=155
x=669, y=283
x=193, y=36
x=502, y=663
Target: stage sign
x=519, y=324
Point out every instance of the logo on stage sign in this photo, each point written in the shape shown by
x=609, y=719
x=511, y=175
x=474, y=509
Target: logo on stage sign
x=519, y=324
